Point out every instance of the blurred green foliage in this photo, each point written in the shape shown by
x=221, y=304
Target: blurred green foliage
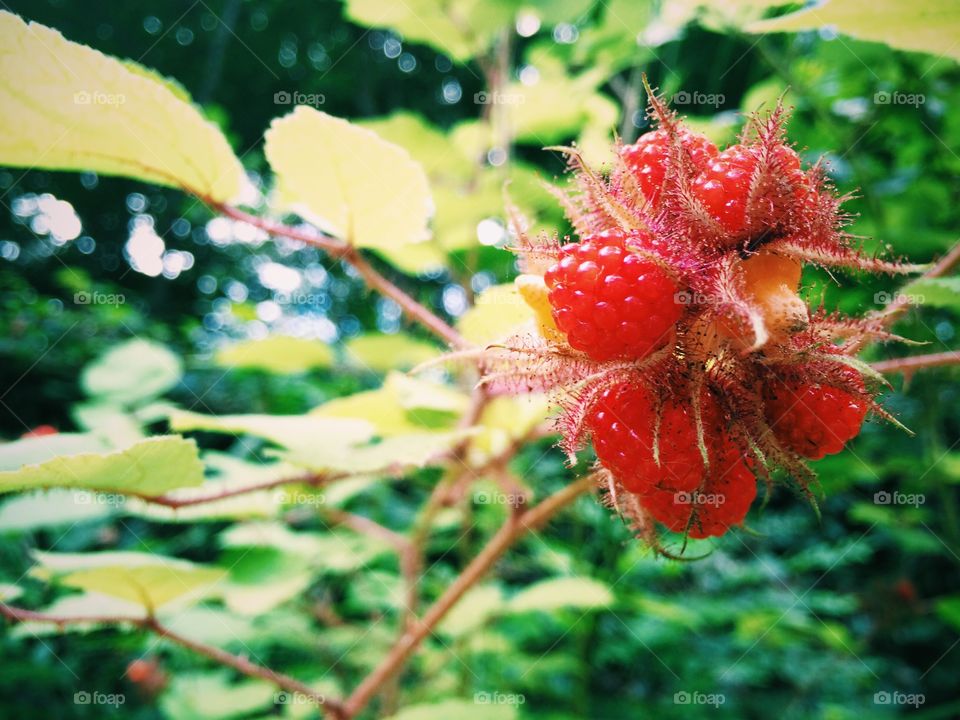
x=807, y=617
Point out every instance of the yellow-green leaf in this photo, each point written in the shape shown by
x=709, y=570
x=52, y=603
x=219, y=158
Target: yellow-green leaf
x=150, y=467
x=69, y=107
x=575, y=592
x=348, y=180
x=389, y=352
x=929, y=26
x=131, y=371
x=277, y=353
x=148, y=580
x=499, y=312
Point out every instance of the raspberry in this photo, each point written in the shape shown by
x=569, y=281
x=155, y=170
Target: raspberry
x=647, y=158
x=611, y=303
x=813, y=419
x=724, y=185
x=721, y=503
x=622, y=426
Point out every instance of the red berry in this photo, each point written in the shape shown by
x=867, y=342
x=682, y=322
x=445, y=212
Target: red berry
x=647, y=158
x=611, y=302
x=723, y=186
x=721, y=503
x=622, y=426
x=813, y=419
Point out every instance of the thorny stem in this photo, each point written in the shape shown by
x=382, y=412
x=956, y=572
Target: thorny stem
x=350, y=254
x=330, y=707
x=513, y=528
x=908, y=365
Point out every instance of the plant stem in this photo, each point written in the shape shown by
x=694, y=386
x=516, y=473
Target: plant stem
x=331, y=707
x=908, y=365
x=514, y=527
x=350, y=254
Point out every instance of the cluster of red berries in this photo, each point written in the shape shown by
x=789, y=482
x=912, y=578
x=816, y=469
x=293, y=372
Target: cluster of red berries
x=708, y=369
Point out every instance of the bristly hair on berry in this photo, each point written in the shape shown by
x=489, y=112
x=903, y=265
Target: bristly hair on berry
x=673, y=322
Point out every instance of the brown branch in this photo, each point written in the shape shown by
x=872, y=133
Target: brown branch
x=350, y=254
x=908, y=365
x=171, y=501
x=366, y=526
x=513, y=528
x=333, y=708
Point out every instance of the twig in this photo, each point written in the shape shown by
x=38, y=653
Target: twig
x=331, y=707
x=171, y=501
x=350, y=254
x=908, y=365
x=513, y=528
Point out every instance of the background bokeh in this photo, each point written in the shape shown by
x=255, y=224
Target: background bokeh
x=811, y=615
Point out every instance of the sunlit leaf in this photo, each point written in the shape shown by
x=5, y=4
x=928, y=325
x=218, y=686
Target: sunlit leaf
x=929, y=26
x=132, y=371
x=149, y=580
x=460, y=709
x=150, y=467
x=499, y=311
x=348, y=180
x=69, y=107
x=277, y=354
x=389, y=352
x=215, y=696
x=582, y=593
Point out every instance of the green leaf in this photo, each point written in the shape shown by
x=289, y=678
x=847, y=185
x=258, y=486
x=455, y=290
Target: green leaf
x=929, y=26
x=460, y=709
x=382, y=353
x=51, y=509
x=498, y=313
x=937, y=292
x=280, y=354
x=565, y=592
x=948, y=608
x=473, y=611
x=69, y=107
x=213, y=696
x=458, y=28
x=348, y=181
x=150, y=467
x=263, y=578
x=132, y=371
x=148, y=580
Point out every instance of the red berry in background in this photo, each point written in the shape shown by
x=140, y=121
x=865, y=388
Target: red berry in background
x=723, y=187
x=610, y=302
x=814, y=419
x=40, y=431
x=647, y=158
